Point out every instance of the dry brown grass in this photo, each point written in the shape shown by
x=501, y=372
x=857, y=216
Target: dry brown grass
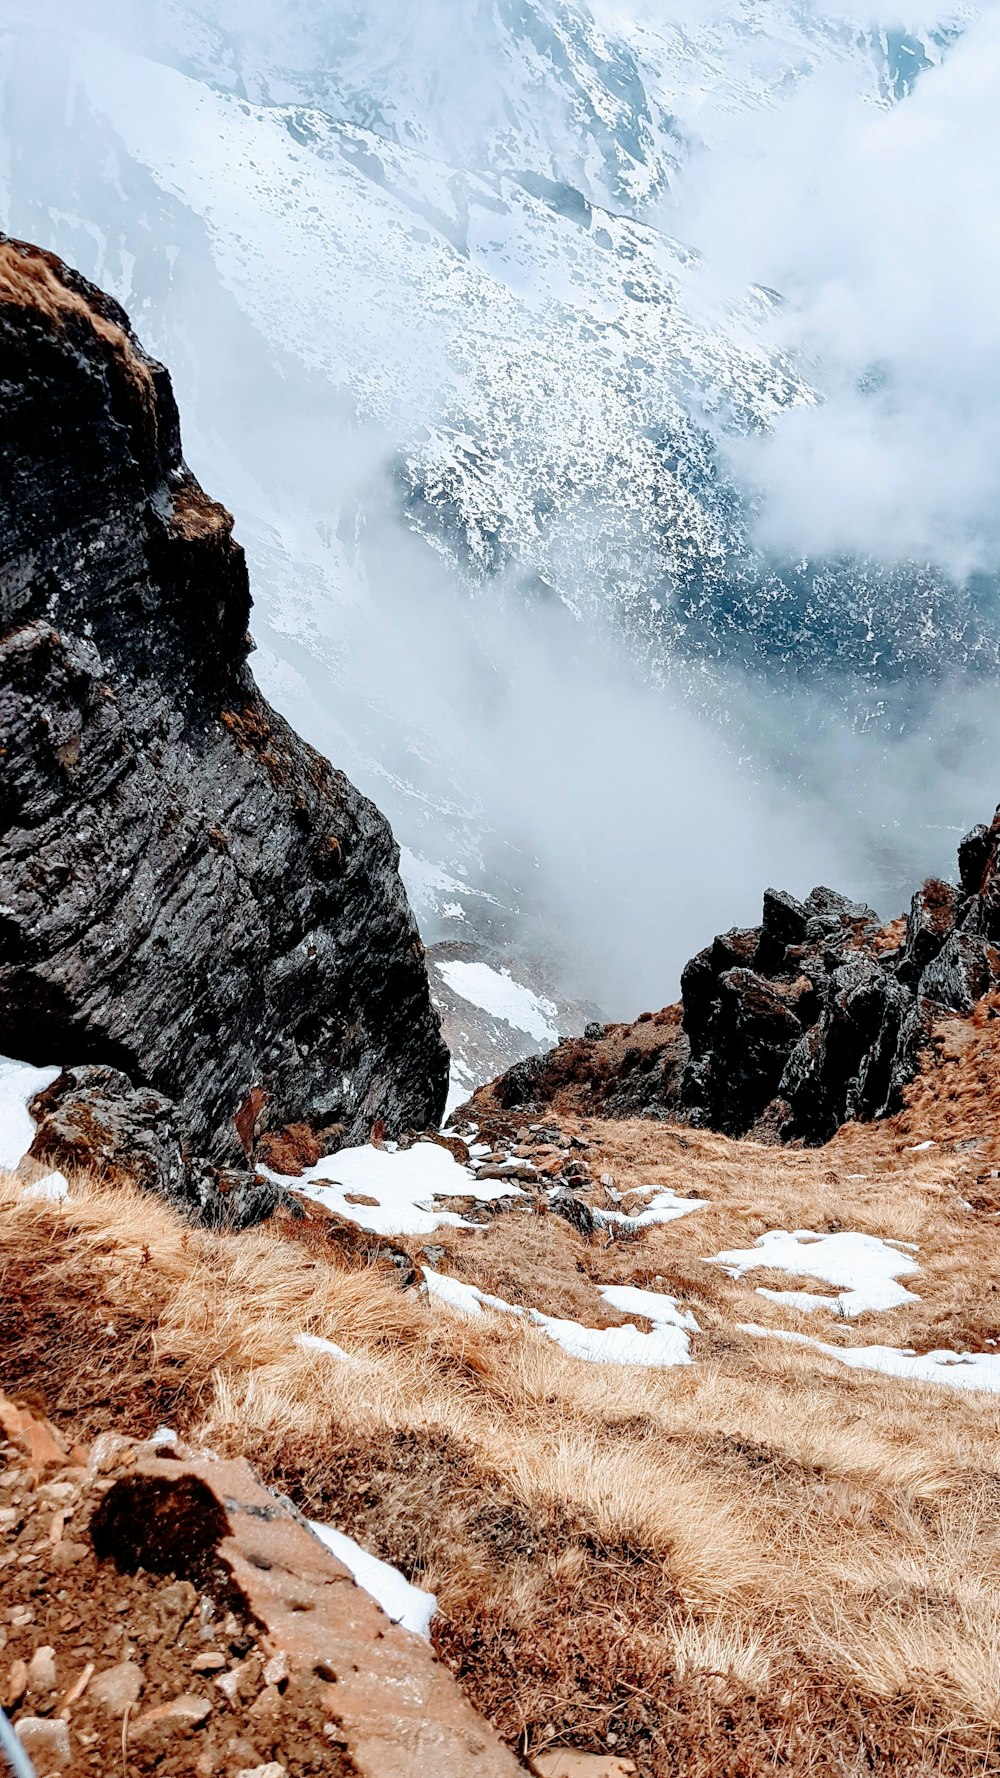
x=763, y=1560
x=31, y=278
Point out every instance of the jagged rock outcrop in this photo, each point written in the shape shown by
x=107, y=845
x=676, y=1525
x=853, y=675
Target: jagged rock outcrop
x=189, y=894
x=791, y=1028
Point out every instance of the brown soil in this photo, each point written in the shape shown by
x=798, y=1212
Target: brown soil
x=598, y=1077
x=89, y=1363
x=177, y=1642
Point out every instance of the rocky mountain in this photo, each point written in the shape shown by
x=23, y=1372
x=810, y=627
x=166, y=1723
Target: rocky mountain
x=441, y=349
x=817, y=1017
x=196, y=904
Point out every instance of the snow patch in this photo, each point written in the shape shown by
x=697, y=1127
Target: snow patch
x=432, y=890
x=495, y=992
x=866, y=1269
x=665, y=1207
x=52, y=1189
x=316, y=1343
x=628, y=1299
x=461, y=1085
x=19, y=1082
x=663, y=1348
x=958, y=1370
x=666, y=1346
x=403, y=1185
x=464, y=1297
x=405, y=1604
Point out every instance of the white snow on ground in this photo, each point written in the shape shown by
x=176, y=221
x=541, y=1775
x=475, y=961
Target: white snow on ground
x=494, y=991
x=403, y=1183
x=427, y=886
x=664, y=1347
x=665, y=1207
x=464, y=1297
x=667, y=1345
x=959, y=1370
x=461, y=1086
x=426, y=883
x=865, y=1268
x=405, y=1604
x=19, y=1082
x=52, y=1189
x=628, y=1299
x=316, y=1343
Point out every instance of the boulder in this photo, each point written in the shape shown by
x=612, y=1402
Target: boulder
x=191, y=896
x=519, y=1087
x=842, y=1068
x=784, y=919
x=753, y=1028
x=735, y=949
x=94, y=1120
x=966, y=967
x=830, y=914
x=573, y=1210
x=974, y=853
x=698, y=991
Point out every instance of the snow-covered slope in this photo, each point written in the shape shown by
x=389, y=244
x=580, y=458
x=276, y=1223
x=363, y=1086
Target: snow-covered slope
x=534, y=88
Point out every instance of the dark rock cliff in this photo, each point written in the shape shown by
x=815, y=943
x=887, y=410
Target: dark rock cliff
x=788, y=1029
x=189, y=895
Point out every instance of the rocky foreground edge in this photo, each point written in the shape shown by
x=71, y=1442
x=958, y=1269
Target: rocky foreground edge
x=196, y=909
x=818, y=1016
x=166, y=1606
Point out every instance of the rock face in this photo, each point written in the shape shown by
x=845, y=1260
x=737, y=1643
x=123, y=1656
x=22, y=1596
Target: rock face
x=791, y=1028
x=188, y=893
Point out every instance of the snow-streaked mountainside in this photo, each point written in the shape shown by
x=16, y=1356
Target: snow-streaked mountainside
x=437, y=345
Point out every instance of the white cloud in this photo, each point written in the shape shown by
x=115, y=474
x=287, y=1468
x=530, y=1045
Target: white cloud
x=880, y=227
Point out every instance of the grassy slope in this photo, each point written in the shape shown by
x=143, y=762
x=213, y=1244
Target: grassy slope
x=763, y=1560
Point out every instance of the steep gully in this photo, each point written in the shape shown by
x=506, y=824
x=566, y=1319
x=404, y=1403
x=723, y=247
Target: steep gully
x=205, y=919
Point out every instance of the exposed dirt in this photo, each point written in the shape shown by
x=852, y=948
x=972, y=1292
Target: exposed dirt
x=88, y=1363
x=147, y=1673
